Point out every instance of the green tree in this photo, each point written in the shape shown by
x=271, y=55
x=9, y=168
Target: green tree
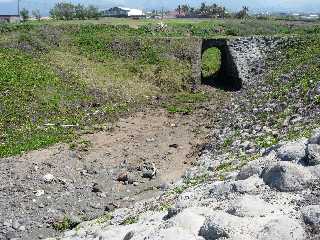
x=63, y=11
x=24, y=13
x=243, y=13
x=80, y=12
x=36, y=13
x=92, y=12
x=179, y=10
x=185, y=9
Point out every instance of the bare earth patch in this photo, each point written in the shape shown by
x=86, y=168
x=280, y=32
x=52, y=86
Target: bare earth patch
x=98, y=172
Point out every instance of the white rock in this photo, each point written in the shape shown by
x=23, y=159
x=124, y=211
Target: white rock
x=293, y=151
x=313, y=151
x=283, y=228
x=39, y=193
x=48, y=178
x=311, y=216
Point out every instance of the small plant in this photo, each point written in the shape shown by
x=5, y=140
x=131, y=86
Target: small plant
x=105, y=218
x=130, y=220
x=175, y=109
x=225, y=167
x=65, y=224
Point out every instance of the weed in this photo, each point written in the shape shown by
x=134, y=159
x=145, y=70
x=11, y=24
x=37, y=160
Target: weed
x=65, y=224
x=130, y=220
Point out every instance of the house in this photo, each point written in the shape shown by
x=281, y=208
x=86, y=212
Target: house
x=123, y=12
x=10, y=18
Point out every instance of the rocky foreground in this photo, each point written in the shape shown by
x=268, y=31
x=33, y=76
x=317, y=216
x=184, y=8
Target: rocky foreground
x=276, y=196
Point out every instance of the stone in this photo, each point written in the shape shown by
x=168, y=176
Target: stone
x=256, y=167
x=191, y=219
x=129, y=235
x=96, y=188
x=313, y=153
x=211, y=230
x=293, y=151
x=149, y=170
x=287, y=176
x=39, y=193
x=221, y=190
x=123, y=177
x=250, y=206
x=48, y=178
x=251, y=185
x=315, y=137
x=283, y=228
x=311, y=216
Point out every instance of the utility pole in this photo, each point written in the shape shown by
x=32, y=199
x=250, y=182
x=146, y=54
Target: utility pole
x=18, y=7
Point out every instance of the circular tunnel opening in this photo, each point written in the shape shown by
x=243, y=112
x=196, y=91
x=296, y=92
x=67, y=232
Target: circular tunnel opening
x=214, y=73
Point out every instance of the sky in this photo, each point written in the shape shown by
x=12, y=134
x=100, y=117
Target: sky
x=10, y=6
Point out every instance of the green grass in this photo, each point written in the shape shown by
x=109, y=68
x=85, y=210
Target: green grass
x=77, y=75
x=211, y=62
x=65, y=224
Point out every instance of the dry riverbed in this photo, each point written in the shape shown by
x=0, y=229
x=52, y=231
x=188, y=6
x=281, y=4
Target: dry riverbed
x=49, y=190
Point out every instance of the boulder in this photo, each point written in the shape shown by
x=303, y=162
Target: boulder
x=315, y=137
x=191, y=219
x=283, y=228
x=293, y=151
x=313, y=153
x=256, y=167
x=311, y=216
x=251, y=206
x=286, y=176
x=251, y=185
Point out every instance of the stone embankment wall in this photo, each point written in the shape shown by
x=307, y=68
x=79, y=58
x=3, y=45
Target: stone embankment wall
x=241, y=58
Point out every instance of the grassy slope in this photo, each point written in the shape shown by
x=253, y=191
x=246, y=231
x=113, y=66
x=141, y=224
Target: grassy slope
x=70, y=77
x=65, y=74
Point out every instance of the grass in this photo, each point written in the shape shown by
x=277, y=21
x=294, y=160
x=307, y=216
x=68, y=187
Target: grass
x=130, y=220
x=211, y=62
x=86, y=73
x=52, y=76
x=65, y=224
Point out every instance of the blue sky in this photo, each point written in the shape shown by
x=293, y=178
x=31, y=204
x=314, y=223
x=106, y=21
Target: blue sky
x=9, y=6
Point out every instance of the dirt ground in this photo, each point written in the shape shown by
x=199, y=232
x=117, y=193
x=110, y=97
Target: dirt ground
x=141, y=156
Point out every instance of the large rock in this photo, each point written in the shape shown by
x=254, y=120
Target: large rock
x=287, y=176
x=256, y=167
x=311, y=216
x=315, y=137
x=313, y=153
x=251, y=206
x=191, y=219
x=293, y=151
x=283, y=228
x=252, y=185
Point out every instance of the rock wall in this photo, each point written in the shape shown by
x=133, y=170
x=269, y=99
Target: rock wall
x=242, y=58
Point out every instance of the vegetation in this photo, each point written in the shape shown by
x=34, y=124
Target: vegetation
x=68, y=11
x=57, y=78
x=24, y=13
x=65, y=224
x=211, y=62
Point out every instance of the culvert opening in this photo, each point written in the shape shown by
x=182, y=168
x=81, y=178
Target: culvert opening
x=214, y=70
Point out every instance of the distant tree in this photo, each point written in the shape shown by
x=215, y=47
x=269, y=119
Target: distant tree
x=80, y=12
x=24, y=13
x=63, y=11
x=179, y=9
x=185, y=9
x=243, y=13
x=92, y=12
x=36, y=14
